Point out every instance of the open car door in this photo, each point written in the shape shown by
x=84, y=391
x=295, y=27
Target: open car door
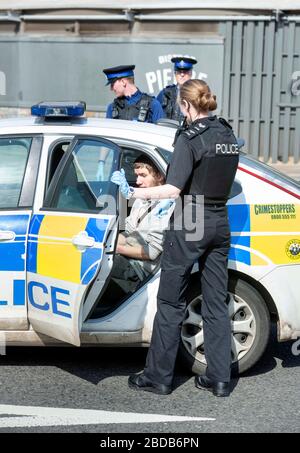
x=72, y=239
x=19, y=161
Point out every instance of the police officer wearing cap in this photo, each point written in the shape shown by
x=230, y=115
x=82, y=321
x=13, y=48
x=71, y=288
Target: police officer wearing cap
x=130, y=103
x=168, y=96
x=204, y=163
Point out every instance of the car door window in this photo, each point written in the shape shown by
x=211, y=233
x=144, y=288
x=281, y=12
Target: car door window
x=56, y=153
x=129, y=157
x=13, y=158
x=82, y=186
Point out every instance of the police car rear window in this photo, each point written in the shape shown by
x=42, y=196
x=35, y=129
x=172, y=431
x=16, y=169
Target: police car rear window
x=13, y=159
x=270, y=172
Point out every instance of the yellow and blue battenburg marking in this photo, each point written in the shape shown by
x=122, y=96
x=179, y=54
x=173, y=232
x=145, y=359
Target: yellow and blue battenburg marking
x=12, y=253
x=263, y=234
x=51, y=252
x=239, y=220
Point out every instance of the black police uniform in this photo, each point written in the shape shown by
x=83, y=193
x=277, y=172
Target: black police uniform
x=204, y=162
x=168, y=96
x=168, y=100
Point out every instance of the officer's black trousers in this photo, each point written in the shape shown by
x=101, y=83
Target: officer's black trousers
x=178, y=258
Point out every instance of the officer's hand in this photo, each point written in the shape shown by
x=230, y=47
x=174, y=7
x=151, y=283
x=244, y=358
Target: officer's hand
x=163, y=207
x=119, y=178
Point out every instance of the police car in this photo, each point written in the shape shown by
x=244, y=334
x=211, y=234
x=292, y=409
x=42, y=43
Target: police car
x=59, y=224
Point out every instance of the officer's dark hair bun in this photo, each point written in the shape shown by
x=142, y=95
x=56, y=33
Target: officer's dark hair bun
x=197, y=93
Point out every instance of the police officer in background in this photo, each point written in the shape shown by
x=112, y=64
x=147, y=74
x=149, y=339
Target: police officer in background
x=183, y=67
x=204, y=162
x=130, y=103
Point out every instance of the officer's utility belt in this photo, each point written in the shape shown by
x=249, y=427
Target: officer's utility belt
x=216, y=205
x=207, y=202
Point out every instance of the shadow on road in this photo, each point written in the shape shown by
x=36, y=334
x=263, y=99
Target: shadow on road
x=95, y=364
x=90, y=364
x=275, y=350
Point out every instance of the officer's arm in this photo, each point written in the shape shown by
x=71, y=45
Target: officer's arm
x=157, y=111
x=109, y=111
x=157, y=192
x=160, y=97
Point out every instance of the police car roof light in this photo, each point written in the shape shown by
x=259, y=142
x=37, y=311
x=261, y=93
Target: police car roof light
x=58, y=109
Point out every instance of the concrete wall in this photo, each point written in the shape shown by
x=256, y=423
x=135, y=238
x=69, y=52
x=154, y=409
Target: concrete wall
x=252, y=63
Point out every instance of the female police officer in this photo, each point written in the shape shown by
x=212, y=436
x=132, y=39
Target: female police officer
x=204, y=163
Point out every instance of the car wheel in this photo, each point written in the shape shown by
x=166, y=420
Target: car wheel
x=250, y=321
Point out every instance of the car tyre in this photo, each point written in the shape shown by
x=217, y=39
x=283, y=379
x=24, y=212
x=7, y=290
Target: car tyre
x=250, y=328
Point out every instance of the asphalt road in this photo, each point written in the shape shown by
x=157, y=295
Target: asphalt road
x=266, y=399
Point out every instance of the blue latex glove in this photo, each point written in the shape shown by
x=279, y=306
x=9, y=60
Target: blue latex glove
x=163, y=207
x=119, y=178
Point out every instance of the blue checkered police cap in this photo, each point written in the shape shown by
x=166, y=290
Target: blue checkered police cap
x=182, y=63
x=118, y=72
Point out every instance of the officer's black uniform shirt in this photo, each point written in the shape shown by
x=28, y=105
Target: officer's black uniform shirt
x=205, y=160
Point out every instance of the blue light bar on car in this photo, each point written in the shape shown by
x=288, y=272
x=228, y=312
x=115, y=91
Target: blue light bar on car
x=58, y=109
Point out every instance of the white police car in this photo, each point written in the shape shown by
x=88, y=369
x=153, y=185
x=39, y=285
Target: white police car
x=59, y=225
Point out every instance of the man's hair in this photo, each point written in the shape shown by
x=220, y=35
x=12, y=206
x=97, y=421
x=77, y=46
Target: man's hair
x=130, y=79
x=143, y=161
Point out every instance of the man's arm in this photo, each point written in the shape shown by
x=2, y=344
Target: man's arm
x=132, y=251
x=121, y=240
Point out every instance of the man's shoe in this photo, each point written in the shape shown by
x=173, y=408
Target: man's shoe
x=141, y=382
x=217, y=388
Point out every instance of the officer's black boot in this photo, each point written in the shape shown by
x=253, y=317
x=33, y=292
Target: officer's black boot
x=220, y=389
x=141, y=382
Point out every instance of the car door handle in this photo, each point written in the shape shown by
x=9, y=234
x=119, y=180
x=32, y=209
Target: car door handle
x=7, y=235
x=82, y=240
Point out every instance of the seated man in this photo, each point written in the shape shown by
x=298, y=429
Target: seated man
x=140, y=245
